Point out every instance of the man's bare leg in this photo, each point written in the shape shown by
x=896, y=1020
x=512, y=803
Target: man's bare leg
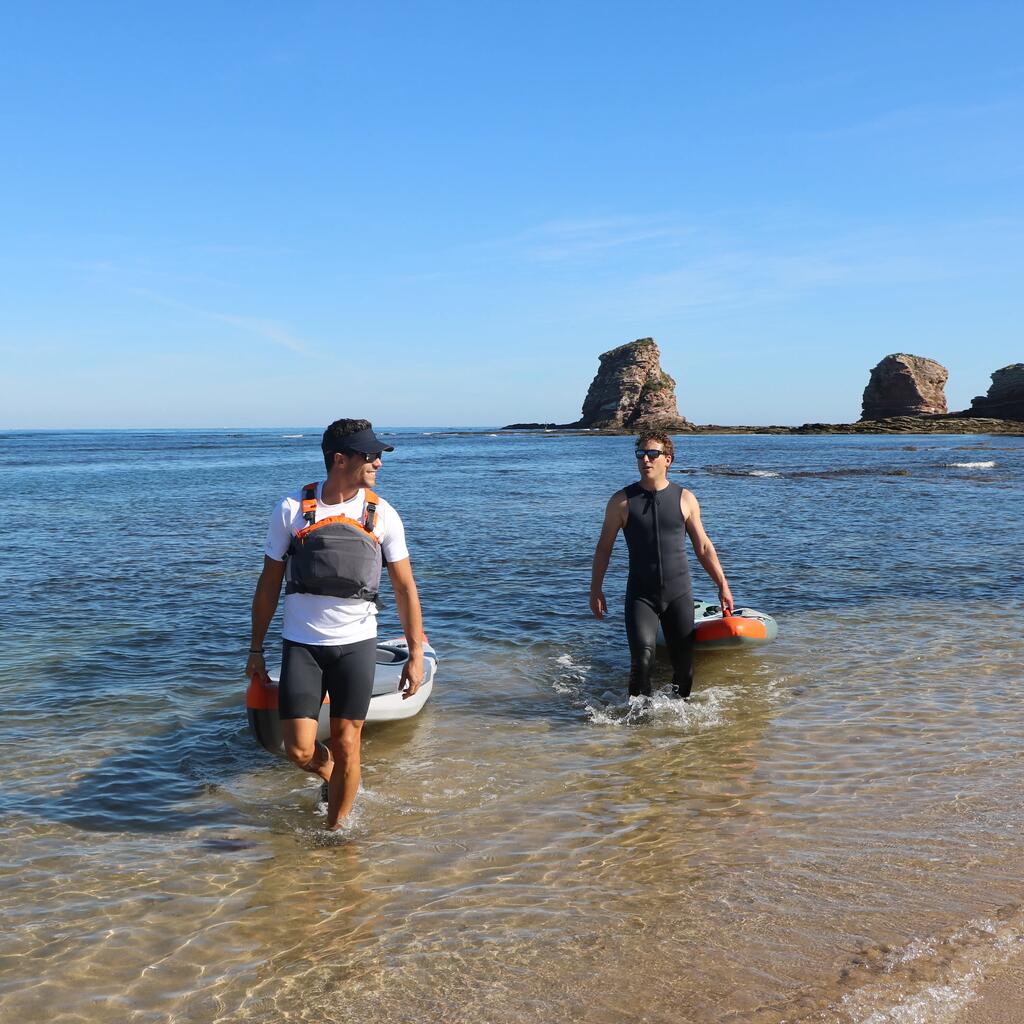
x=302, y=749
x=343, y=785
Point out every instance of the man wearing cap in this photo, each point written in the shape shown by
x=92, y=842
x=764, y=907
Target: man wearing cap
x=327, y=542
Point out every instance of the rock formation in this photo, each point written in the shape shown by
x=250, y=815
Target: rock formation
x=1005, y=398
x=630, y=389
x=905, y=395
x=905, y=385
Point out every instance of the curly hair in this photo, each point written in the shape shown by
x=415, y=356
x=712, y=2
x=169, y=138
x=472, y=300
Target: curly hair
x=334, y=437
x=661, y=437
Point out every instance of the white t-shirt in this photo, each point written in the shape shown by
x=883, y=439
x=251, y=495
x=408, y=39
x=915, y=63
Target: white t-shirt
x=327, y=621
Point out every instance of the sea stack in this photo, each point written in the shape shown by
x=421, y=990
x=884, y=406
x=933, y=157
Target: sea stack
x=905, y=385
x=631, y=389
x=1005, y=398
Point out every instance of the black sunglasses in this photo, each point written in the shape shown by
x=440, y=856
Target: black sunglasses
x=367, y=456
x=650, y=453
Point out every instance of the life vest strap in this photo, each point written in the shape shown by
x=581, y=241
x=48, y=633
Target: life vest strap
x=370, y=518
x=309, y=506
x=309, y=503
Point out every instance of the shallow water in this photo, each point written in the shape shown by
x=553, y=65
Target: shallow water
x=830, y=832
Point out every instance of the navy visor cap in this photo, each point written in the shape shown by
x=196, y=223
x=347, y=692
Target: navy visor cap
x=367, y=442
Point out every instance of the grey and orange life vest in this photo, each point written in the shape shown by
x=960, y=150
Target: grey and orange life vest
x=338, y=556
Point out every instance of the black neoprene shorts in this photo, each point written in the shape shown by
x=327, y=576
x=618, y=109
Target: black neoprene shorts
x=309, y=672
x=643, y=615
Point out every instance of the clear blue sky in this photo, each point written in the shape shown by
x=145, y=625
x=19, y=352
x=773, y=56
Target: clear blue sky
x=248, y=214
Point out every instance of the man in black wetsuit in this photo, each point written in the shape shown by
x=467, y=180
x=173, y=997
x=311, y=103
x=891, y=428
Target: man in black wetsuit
x=655, y=515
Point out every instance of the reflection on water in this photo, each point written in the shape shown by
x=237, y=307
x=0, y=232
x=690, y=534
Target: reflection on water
x=829, y=832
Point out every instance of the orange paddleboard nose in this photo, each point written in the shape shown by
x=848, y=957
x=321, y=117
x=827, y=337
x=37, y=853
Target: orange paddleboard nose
x=732, y=627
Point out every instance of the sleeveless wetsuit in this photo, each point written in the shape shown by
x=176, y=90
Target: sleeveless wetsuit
x=658, y=588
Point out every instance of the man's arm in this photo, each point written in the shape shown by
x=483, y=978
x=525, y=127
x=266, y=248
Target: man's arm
x=264, y=604
x=704, y=549
x=411, y=616
x=614, y=520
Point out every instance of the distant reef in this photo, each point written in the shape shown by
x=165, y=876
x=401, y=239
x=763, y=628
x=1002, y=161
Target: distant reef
x=905, y=394
x=950, y=423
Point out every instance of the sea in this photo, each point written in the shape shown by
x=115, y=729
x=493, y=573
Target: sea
x=830, y=832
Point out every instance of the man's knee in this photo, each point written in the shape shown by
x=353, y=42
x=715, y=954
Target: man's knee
x=309, y=757
x=347, y=744
x=642, y=657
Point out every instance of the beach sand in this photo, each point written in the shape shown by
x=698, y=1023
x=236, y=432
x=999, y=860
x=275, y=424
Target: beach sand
x=1000, y=996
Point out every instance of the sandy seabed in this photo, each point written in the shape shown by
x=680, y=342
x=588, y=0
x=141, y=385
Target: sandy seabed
x=999, y=997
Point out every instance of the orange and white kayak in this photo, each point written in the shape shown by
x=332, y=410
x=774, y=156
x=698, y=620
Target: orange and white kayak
x=386, y=705
x=745, y=627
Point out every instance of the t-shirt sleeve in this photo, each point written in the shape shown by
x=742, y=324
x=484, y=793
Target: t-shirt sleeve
x=279, y=534
x=392, y=541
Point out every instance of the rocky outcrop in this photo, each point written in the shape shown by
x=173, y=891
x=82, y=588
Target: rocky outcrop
x=905, y=385
x=1005, y=398
x=905, y=395
x=953, y=423
x=631, y=389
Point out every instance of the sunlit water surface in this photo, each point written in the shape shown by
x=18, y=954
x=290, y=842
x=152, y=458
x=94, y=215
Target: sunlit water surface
x=830, y=832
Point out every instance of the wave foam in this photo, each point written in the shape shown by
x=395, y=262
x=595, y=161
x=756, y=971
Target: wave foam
x=572, y=674
x=703, y=710
x=970, y=465
x=799, y=474
x=928, y=981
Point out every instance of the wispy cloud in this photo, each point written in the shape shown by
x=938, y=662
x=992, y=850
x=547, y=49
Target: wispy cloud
x=269, y=330
x=924, y=116
x=278, y=333
x=561, y=241
x=260, y=251
x=731, y=280
x=741, y=272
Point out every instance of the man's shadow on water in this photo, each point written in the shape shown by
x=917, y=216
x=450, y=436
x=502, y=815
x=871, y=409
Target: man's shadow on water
x=158, y=785
x=149, y=786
